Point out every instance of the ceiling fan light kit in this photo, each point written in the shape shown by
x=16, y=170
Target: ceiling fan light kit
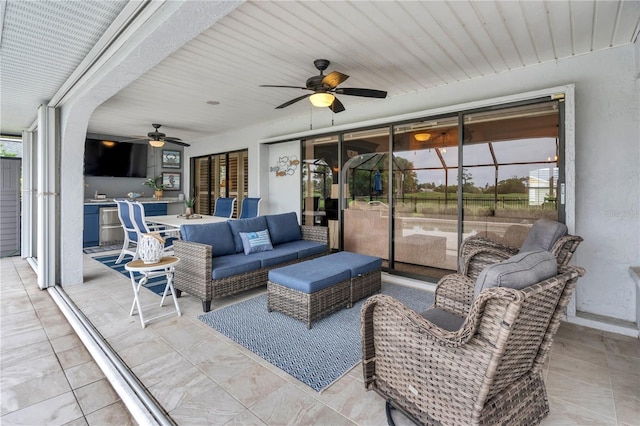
x=324, y=87
x=422, y=137
x=321, y=99
x=156, y=144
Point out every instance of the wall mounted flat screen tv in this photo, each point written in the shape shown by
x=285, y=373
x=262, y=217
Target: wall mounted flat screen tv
x=118, y=159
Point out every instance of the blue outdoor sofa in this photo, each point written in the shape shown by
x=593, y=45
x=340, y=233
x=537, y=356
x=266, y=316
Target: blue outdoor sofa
x=216, y=262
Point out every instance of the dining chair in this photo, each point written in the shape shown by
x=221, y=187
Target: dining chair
x=142, y=227
x=224, y=207
x=250, y=208
x=130, y=234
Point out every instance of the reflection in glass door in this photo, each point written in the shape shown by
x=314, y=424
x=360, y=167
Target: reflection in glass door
x=425, y=158
x=365, y=178
x=320, y=185
x=510, y=171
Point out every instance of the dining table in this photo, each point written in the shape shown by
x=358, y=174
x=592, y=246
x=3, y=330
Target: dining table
x=174, y=221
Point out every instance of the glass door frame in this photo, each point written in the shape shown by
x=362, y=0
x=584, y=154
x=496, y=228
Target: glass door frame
x=521, y=100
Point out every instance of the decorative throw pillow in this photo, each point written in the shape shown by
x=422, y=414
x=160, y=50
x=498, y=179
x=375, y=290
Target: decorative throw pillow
x=518, y=272
x=253, y=224
x=254, y=242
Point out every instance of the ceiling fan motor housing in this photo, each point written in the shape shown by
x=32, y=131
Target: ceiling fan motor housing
x=315, y=83
x=321, y=64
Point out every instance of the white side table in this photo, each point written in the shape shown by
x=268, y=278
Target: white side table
x=165, y=267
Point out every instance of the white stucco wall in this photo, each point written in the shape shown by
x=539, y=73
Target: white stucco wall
x=284, y=191
x=607, y=157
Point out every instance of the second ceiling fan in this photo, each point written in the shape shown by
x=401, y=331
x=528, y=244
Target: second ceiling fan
x=157, y=138
x=325, y=87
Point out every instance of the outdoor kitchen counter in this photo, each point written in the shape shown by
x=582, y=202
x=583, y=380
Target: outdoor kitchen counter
x=110, y=202
x=101, y=223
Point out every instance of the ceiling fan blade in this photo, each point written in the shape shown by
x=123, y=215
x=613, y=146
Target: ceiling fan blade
x=286, y=87
x=176, y=141
x=135, y=139
x=336, y=106
x=367, y=93
x=334, y=78
x=293, y=101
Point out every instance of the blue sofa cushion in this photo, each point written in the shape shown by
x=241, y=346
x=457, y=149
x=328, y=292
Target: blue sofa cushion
x=283, y=228
x=358, y=264
x=233, y=264
x=518, y=272
x=304, y=248
x=543, y=235
x=275, y=257
x=217, y=235
x=254, y=224
x=308, y=277
x=256, y=242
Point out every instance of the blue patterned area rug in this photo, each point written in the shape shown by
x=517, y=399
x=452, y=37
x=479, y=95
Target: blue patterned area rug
x=155, y=284
x=317, y=357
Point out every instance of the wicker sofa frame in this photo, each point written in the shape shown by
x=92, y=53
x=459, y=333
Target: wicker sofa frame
x=193, y=273
x=487, y=372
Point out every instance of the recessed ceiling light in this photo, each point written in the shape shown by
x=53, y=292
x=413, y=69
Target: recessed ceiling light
x=213, y=102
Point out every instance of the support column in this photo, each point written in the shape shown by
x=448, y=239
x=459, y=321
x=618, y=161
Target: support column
x=48, y=162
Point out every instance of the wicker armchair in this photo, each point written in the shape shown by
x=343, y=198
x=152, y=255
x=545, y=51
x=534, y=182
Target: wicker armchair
x=489, y=371
x=478, y=251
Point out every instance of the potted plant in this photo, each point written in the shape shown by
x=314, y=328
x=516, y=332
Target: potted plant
x=190, y=204
x=156, y=185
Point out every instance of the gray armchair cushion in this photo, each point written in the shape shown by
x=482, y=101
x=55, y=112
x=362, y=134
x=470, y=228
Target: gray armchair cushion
x=543, y=235
x=518, y=272
x=443, y=319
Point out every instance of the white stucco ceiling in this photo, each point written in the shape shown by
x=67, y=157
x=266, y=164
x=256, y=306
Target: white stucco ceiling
x=400, y=47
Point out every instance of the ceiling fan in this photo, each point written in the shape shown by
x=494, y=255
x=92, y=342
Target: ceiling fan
x=157, y=138
x=324, y=88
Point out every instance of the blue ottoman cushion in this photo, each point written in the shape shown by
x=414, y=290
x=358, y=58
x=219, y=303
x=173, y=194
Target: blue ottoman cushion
x=308, y=277
x=358, y=264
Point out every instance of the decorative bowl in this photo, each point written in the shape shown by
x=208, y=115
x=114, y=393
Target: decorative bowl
x=134, y=195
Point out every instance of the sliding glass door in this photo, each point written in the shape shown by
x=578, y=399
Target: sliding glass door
x=510, y=170
x=220, y=175
x=365, y=192
x=425, y=205
x=410, y=199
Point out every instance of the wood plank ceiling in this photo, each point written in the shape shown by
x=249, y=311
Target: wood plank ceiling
x=398, y=46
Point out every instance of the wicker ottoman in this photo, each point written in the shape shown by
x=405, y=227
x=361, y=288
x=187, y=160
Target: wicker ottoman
x=308, y=291
x=365, y=272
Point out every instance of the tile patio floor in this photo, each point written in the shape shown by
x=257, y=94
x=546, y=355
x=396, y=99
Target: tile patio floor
x=201, y=377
